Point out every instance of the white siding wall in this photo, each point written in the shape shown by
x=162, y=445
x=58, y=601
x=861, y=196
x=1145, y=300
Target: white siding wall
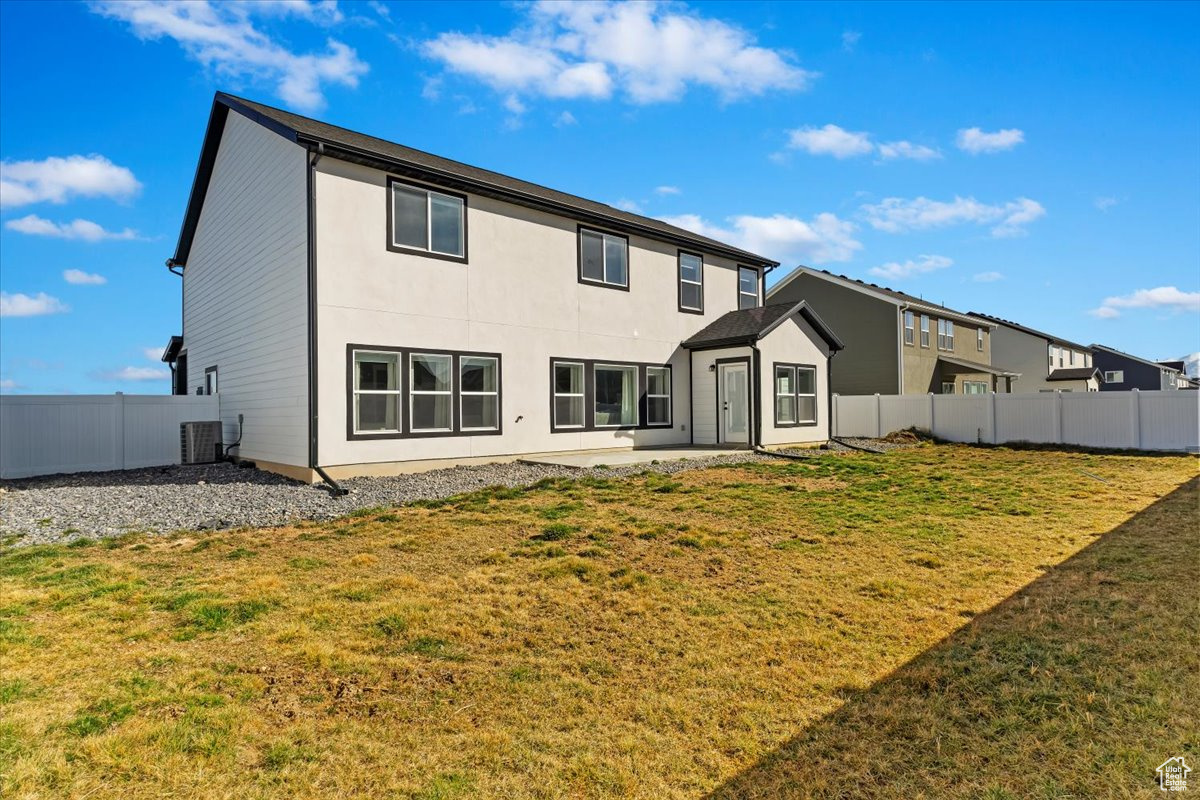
x=796, y=342
x=704, y=392
x=518, y=296
x=245, y=292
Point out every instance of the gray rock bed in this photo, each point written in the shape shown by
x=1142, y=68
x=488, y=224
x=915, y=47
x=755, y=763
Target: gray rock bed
x=60, y=508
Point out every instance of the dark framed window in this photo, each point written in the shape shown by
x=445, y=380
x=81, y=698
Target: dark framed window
x=590, y=395
x=691, y=283
x=398, y=392
x=947, y=387
x=747, y=287
x=795, y=395
x=603, y=258
x=909, y=332
x=426, y=221
x=945, y=334
x=211, y=385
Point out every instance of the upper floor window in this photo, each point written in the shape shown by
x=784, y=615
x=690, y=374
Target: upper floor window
x=1051, y=355
x=603, y=258
x=1071, y=358
x=691, y=282
x=747, y=287
x=210, y=381
x=945, y=334
x=909, y=332
x=427, y=221
x=1114, y=376
x=1060, y=356
x=979, y=339
x=924, y=331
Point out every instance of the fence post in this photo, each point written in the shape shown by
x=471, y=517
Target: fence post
x=1057, y=421
x=932, y=422
x=1135, y=418
x=878, y=417
x=120, y=430
x=992, y=411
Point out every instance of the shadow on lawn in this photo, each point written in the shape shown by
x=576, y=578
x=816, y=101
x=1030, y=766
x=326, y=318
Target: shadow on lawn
x=1077, y=685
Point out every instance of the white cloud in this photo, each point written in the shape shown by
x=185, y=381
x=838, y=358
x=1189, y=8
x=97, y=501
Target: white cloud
x=850, y=40
x=900, y=215
x=22, y=305
x=628, y=205
x=1104, y=203
x=904, y=149
x=57, y=180
x=83, y=229
x=665, y=190
x=79, y=277
x=380, y=9
x=786, y=239
x=514, y=105
x=152, y=353
x=830, y=140
x=895, y=270
x=8, y=384
x=1168, y=298
x=645, y=51
x=976, y=141
x=134, y=374
x=564, y=119
x=987, y=277
x=223, y=39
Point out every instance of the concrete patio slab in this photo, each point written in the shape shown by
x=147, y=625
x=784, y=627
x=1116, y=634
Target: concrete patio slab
x=582, y=459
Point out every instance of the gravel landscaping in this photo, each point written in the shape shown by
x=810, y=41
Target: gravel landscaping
x=61, y=508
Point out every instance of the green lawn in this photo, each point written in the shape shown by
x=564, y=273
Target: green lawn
x=842, y=626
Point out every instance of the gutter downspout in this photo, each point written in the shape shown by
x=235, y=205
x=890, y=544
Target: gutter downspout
x=900, y=344
x=316, y=152
x=756, y=376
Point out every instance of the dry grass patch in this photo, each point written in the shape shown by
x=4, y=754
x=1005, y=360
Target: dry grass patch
x=649, y=637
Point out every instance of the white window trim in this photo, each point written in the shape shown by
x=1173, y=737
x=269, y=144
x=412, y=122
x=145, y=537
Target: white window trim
x=812, y=394
x=670, y=405
x=604, y=237
x=1110, y=376
x=493, y=394
x=699, y=283
x=757, y=288
x=910, y=331
x=950, y=384
x=582, y=395
x=791, y=395
x=637, y=419
x=979, y=339
x=387, y=356
x=925, y=331
x=428, y=248
x=429, y=392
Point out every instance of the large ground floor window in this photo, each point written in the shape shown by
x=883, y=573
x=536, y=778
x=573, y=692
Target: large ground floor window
x=795, y=395
x=395, y=392
x=604, y=395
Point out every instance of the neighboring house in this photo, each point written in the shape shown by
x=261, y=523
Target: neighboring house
x=1123, y=372
x=1047, y=363
x=897, y=343
x=363, y=305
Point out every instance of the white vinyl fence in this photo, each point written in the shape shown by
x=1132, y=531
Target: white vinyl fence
x=48, y=434
x=1155, y=420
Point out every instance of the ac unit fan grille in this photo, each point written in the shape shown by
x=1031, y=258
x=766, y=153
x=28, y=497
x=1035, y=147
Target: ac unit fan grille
x=199, y=441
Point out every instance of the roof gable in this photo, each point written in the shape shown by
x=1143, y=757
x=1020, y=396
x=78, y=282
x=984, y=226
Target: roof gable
x=748, y=325
x=1016, y=326
x=379, y=153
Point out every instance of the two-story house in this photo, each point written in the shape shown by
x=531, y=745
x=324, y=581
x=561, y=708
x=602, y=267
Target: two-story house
x=898, y=344
x=360, y=306
x=1046, y=362
x=1123, y=372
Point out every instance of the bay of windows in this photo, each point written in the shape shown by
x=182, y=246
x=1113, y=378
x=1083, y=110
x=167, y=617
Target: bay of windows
x=398, y=392
x=597, y=395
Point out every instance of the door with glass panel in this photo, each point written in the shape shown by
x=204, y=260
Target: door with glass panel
x=733, y=403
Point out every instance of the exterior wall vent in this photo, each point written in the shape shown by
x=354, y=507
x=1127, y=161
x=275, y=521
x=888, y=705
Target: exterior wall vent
x=199, y=442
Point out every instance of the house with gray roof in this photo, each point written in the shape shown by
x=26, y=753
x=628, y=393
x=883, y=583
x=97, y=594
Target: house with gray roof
x=897, y=343
x=1046, y=362
x=1123, y=372
x=362, y=307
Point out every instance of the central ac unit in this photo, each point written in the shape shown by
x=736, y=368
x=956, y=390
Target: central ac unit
x=199, y=442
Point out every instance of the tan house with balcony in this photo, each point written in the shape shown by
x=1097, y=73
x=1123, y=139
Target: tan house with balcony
x=897, y=343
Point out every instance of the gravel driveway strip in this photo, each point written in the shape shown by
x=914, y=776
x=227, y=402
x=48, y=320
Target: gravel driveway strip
x=61, y=508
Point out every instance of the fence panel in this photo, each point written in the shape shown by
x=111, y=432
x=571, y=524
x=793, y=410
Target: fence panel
x=48, y=434
x=1154, y=420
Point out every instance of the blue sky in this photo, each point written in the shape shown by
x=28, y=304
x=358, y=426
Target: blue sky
x=1036, y=162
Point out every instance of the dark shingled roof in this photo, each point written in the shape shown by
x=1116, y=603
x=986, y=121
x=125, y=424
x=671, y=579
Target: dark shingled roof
x=1032, y=332
x=352, y=146
x=1073, y=374
x=751, y=324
